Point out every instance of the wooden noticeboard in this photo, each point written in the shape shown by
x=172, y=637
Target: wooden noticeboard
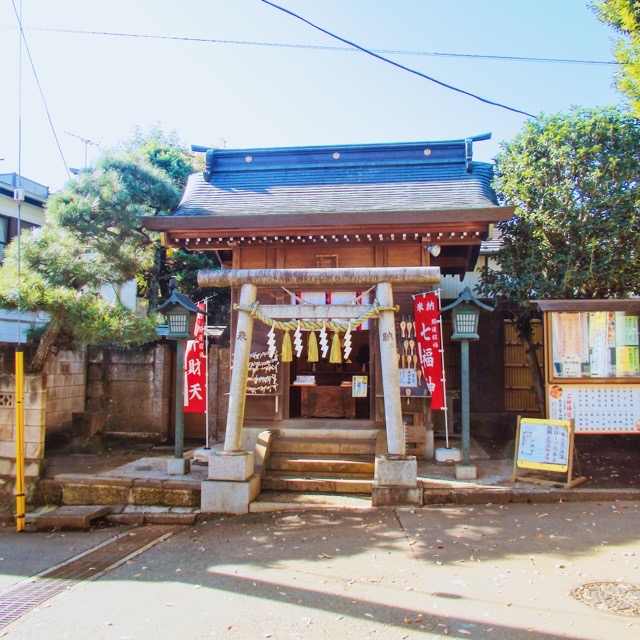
x=545, y=447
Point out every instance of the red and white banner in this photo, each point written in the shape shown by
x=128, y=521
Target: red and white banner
x=427, y=330
x=195, y=362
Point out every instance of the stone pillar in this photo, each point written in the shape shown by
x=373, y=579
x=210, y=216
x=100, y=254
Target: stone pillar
x=238, y=388
x=232, y=482
x=396, y=474
x=389, y=365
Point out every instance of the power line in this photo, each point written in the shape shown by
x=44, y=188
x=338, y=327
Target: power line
x=397, y=64
x=35, y=75
x=319, y=47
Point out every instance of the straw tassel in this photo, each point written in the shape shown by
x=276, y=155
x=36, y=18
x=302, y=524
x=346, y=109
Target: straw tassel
x=312, y=347
x=335, y=357
x=287, y=354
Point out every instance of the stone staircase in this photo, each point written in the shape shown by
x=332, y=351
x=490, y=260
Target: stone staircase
x=317, y=462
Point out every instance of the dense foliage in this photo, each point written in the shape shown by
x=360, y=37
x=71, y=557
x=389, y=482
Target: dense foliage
x=624, y=17
x=574, y=179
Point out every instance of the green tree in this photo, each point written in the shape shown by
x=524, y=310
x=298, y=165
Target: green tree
x=576, y=231
x=94, y=239
x=624, y=17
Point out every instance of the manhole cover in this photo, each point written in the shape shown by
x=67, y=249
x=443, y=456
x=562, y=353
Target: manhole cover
x=614, y=597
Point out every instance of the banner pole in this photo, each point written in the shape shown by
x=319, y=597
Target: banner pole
x=444, y=374
x=206, y=373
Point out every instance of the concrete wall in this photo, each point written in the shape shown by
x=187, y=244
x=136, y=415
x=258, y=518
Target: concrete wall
x=65, y=380
x=50, y=400
x=133, y=386
x=34, y=431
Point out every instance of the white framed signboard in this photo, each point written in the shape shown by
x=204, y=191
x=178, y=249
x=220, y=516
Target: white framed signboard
x=596, y=408
x=545, y=446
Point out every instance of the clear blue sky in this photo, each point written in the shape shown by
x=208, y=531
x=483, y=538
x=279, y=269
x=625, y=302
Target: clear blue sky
x=101, y=87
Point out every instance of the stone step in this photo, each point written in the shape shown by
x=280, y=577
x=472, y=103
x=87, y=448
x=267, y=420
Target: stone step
x=325, y=447
x=270, y=501
x=316, y=485
x=86, y=489
x=326, y=466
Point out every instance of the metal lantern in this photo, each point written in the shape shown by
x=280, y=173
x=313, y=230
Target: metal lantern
x=465, y=312
x=181, y=313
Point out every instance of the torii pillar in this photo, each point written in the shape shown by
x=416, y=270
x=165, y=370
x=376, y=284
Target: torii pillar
x=232, y=484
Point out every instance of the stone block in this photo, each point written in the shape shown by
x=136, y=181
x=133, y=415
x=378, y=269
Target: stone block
x=109, y=494
x=261, y=452
x=178, y=466
x=181, y=497
x=74, y=494
x=396, y=471
x=395, y=496
x=34, y=418
x=71, y=517
x=34, y=434
x=172, y=517
x=6, y=466
x=32, y=468
x=7, y=420
x=7, y=449
x=34, y=450
x=222, y=496
x=466, y=472
x=236, y=468
x=146, y=495
x=131, y=519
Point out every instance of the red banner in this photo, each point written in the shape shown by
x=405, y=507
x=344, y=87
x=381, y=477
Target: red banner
x=427, y=330
x=195, y=362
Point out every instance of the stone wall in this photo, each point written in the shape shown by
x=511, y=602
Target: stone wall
x=133, y=387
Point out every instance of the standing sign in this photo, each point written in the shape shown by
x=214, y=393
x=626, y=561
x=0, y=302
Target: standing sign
x=195, y=362
x=427, y=331
x=545, y=446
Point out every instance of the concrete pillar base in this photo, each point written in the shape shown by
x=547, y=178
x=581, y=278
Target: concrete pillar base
x=466, y=472
x=236, y=466
x=178, y=466
x=429, y=449
x=395, y=496
x=227, y=496
x=396, y=471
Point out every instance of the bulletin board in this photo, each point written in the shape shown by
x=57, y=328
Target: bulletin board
x=602, y=408
x=545, y=448
x=592, y=364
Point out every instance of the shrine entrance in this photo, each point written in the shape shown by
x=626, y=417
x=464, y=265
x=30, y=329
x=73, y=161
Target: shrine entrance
x=232, y=470
x=325, y=390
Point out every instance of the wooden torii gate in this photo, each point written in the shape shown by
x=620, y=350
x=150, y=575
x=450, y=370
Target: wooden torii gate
x=233, y=466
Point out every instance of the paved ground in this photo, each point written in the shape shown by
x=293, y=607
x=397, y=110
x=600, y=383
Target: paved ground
x=487, y=571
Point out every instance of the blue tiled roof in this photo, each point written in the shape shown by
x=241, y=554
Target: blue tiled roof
x=422, y=176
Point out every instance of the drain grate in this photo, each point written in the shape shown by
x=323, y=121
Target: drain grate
x=27, y=595
x=614, y=597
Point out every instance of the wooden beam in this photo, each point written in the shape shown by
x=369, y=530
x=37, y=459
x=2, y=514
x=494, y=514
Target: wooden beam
x=315, y=311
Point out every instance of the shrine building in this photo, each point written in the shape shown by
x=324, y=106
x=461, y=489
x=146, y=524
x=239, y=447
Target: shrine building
x=368, y=206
